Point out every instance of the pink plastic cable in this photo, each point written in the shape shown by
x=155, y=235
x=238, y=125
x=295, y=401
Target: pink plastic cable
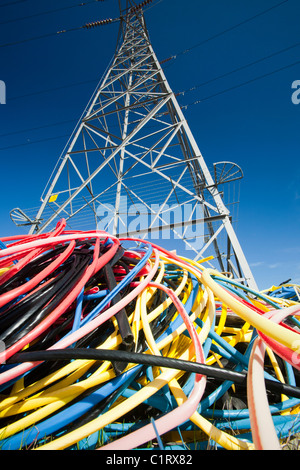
x=52, y=241
x=182, y=413
x=263, y=432
x=262, y=427
x=86, y=329
x=18, y=239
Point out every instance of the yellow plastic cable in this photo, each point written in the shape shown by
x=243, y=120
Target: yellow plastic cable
x=3, y=271
x=67, y=388
x=227, y=441
x=282, y=335
x=48, y=395
x=140, y=396
x=118, y=411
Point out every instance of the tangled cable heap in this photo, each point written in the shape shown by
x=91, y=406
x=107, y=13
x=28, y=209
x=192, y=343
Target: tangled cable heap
x=113, y=343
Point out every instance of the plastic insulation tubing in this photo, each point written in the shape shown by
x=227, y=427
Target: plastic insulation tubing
x=30, y=420
x=65, y=417
x=32, y=254
x=183, y=412
x=239, y=358
x=282, y=422
x=219, y=391
x=233, y=339
x=228, y=441
x=122, y=318
x=35, y=387
x=49, y=320
x=57, y=312
x=3, y=246
x=262, y=427
x=86, y=329
x=233, y=354
x=12, y=294
x=246, y=288
x=150, y=360
x=128, y=378
x=279, y=333
x=19, y=239
x=250, y=309
x=118, y=288
x=53, y=241
x=66, y=413
x=36, y=306
x=285, y=353
x=78, y=312
x=148, y=390
x=121, y=409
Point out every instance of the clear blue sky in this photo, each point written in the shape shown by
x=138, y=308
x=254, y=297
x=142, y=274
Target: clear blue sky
x=49, y=81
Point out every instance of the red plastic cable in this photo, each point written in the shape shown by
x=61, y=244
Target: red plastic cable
x=97, y=264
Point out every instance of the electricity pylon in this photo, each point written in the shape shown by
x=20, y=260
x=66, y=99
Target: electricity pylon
x=133, y=166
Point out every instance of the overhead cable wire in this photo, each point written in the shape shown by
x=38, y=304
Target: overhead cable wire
x=93, y=24
x=239, y=69
x=12, y=3
x=37, y=128
x=225, y=31
x=13, y=98
x=183, y=106
x=107, y=21
x=240, y=85
x=14, y=20
x=47, y=139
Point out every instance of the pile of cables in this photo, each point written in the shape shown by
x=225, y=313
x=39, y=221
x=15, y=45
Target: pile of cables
x=110, y=344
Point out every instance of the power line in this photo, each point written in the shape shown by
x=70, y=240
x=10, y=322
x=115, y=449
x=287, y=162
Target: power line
x=37, y=128
x=102, y=22
x=242, y=67
x=34, y=142
x=238, y=69
x=225, y=31
x=14, y=20
x=53, y=89
x=35, y=38
x=12, y=3
x=179, y=93
x=85, y=26
x=248, y=82
x=182, y=106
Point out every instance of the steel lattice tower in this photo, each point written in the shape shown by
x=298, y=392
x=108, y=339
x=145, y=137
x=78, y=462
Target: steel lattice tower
x=133, y=153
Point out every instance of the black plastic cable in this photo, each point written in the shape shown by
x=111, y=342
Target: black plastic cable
x=34, y=308
x=121, y=317
x=31, y=269
x=152, y=360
